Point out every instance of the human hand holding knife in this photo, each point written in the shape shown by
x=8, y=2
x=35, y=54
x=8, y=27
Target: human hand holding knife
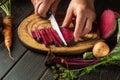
x=55, y=26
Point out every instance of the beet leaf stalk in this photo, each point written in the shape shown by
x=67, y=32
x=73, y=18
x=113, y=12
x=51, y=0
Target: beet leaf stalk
x=7, y=23
x=71, y=74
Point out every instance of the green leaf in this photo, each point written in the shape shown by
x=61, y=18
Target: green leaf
x=118, y=34
x=88, y=55
x=6, y=7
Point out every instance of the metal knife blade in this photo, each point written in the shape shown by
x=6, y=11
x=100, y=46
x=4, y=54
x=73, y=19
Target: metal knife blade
x=57, y=28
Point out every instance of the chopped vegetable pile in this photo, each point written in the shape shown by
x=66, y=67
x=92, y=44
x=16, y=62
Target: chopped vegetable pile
x=49, y=36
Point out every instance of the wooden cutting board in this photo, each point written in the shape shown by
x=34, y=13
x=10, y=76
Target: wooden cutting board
x=32, y=21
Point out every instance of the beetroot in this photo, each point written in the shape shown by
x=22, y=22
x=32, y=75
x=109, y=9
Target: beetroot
x=47, y=34
x=56, y=36
x=34, y=35
x=55, y=41
x=44, y=37
x=68, y=34
x=107, y=24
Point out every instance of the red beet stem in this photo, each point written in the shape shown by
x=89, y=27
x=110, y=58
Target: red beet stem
x=81, y=64
x=80, y=60
x=49, y=41
x=49, y=35
x=34, y=35
x=44, y=39
x=38, y=36
x=71, y=63
x=53, y=37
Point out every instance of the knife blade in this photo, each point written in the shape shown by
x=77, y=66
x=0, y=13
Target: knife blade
x=56, y=27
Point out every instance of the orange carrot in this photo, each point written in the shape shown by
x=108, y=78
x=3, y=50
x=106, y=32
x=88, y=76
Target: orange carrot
x=7, y=32
x=7, y=24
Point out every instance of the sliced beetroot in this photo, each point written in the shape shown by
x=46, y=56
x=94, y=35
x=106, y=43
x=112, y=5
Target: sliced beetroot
x=54, y=33
x=44, y=38
x=48, y=36
x=67, y=34
x=107, y=24
x=34, y=35
x=56, y=43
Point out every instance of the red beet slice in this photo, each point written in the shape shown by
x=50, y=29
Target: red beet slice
x=44, y=38
x=36, y=35
x=56, y=43
x=48, y=36
x=68, y=34
x=54, y=33
x=107, y=24
x=33, y=34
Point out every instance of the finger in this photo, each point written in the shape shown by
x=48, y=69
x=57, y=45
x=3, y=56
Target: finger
x=80, y=22
x=37, y=5
x=68, y=18
x=33, y=2
x=44, y=7
x=54, y=6
x=88, y=27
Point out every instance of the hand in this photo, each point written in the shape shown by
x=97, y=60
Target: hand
x=41, y=7
x=82, y=12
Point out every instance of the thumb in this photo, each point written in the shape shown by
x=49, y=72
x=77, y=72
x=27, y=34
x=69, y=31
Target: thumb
x=43, y=7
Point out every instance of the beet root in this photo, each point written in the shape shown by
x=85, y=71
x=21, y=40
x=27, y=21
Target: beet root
x=68, y=34
x=107, y=24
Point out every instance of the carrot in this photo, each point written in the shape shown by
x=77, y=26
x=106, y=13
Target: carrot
x=7, y=32
x=7, y=23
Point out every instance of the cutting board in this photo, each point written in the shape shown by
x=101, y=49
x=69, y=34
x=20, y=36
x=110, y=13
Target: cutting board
x=32, y=21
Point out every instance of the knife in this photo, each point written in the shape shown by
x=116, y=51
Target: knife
x=56, y=27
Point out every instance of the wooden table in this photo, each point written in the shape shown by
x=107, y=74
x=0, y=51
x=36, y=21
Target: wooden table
x=29, y=65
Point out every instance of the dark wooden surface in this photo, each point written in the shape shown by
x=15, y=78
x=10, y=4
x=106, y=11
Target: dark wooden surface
x=29, y=65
